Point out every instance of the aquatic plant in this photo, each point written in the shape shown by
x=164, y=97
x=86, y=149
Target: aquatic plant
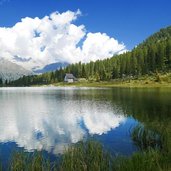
x=91, y=156
x=145, y=138
x=21, y=161
x=145, y=161
x=86, y=156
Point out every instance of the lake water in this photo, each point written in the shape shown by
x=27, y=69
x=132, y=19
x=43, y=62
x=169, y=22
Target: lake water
x=51, y=119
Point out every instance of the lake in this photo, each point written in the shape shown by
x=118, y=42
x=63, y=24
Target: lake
x=52, y=118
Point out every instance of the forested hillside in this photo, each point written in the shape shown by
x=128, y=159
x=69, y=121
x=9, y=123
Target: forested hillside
x=151, y=56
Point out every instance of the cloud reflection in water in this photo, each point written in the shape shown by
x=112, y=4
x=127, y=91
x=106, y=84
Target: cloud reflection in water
x=50, y=119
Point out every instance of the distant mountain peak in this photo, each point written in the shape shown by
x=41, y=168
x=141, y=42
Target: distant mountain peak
x=52, y=67
x=11, y=71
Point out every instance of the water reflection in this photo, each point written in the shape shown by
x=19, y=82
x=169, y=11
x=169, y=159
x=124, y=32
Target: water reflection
x=52, y=118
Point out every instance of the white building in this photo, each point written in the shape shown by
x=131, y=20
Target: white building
x=69, y=78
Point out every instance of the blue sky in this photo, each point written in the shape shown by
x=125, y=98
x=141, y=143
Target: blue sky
x=129, y=21
x=36, y=33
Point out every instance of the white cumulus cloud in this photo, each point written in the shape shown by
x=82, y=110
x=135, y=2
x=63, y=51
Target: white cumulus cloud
x=99, y=46
x=36, y=42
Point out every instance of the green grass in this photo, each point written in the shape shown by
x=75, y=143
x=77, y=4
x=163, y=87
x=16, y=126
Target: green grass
x=21, y=161
x=91, y=156
x=160, y=80
x=155, y=147
x=150, y=160
x=146, y=138
x=86, y=156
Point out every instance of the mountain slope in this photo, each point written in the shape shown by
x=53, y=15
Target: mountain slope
x=162, y=35
x=11, y=71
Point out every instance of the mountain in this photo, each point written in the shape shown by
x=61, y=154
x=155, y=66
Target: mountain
x=52, y=67
x=11, y=71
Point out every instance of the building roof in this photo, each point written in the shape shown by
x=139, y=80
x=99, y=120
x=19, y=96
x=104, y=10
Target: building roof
x=69, y=76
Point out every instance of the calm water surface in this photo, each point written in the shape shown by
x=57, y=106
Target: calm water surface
x=51, y=119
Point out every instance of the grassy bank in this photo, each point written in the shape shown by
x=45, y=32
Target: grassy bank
x=109, y=84
x=162, y=80
x=91, y=156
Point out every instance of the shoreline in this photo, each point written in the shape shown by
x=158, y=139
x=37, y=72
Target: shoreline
x=103, y=84
x=113, y=85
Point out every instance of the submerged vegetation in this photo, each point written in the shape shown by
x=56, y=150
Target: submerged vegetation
x=21, y=161
x=145, y=138
x=90, y=156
